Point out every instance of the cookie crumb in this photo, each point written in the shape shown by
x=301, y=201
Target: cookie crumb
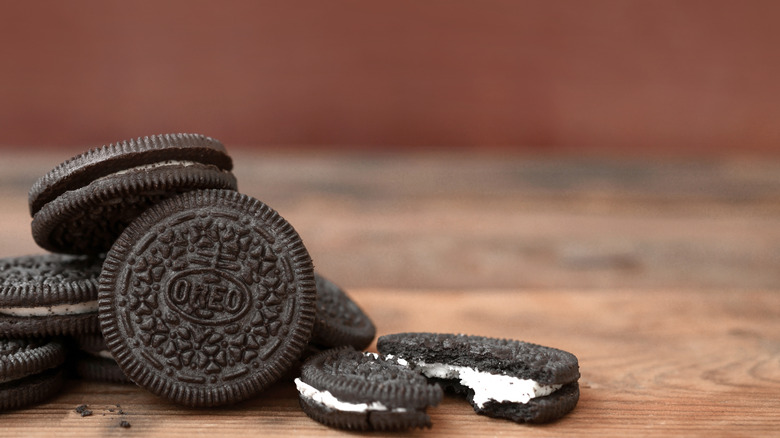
x=124, y=424
x=82, y=409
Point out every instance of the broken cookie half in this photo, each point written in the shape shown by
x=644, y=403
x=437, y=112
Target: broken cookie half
x=519, y=381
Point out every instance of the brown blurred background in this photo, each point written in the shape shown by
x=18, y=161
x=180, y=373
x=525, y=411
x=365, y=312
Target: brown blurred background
x=647, y=132
x=669, y=77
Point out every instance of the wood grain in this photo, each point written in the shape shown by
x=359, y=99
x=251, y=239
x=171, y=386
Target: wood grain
x=653, y=364
x=660, y=276
x=498, y=221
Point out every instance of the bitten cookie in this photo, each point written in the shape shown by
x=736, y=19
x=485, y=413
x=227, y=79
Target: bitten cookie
x=29, y=371
x=348, y=389
x=207, y=298
x=339, y=319
x=82, y=205
x=501, y=378
x=48, y=294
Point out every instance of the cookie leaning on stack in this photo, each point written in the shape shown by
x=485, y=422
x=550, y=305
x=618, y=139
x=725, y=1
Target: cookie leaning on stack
x=82, y=205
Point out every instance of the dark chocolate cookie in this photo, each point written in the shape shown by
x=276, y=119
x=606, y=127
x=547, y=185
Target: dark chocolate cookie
x=29, y=371
x=348, y=389
x=103, y=161
x=94, y=362
x=502, y=378
x=339, y=320
x=207, y=298
x=99, y=369
x=48, y=294
x=81, y=206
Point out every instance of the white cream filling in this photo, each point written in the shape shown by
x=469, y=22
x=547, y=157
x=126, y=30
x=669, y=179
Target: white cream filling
x=59, y=309
x=398, y=360
x=102, y=353
x=487, y=386
x=325, y=398
x=151, y=166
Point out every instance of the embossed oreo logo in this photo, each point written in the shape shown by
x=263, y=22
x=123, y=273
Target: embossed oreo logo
x=208, y=297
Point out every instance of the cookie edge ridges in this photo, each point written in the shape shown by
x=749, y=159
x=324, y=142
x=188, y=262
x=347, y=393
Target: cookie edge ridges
x=44, y=294
x=185, y=395
x=336, y=335
x=100, y=161
x=51, y=214
x=18, y=365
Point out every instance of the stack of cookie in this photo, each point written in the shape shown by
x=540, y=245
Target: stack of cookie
x=166, y=276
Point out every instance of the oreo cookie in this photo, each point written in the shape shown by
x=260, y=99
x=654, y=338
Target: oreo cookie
x=348, y=389
x=207, y=298
x=82, y=205
x=339, y=320
x=94, y=362
x=48, y=294
x=29, y=371
x=501, y=378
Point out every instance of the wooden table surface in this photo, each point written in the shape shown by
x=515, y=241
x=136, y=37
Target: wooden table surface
x=661, y=276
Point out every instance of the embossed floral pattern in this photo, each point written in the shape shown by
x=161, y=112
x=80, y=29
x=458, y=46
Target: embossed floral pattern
x=207, y=298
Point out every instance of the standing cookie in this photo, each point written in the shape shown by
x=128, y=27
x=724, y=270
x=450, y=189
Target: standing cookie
x=207, y=298
x=348, y=389
x=48, y=294
x=29, y=371
x=82, y=205
x=501, y=378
